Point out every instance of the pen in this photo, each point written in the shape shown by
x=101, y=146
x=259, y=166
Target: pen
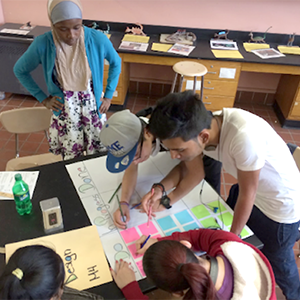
x=123, y=218
x=136, y=205
x=146, y=241
x=149, y=212
x=115, y=193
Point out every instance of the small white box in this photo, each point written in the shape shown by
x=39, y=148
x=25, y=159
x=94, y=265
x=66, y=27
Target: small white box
x=52, y=217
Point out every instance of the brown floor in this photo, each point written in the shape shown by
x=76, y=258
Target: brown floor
x=36, y=143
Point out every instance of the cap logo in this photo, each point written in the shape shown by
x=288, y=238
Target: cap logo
x=125, y=160
x=115, y=148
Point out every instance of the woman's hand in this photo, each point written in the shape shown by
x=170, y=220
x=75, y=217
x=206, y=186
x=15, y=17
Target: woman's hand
x=140, y=241
x=53, y=103
x=104, y=105
x=118, y=217
x=123, y=274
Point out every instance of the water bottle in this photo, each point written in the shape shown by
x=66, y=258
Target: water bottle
x=21, y=196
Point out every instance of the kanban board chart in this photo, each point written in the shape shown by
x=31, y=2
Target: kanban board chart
x=95, y=186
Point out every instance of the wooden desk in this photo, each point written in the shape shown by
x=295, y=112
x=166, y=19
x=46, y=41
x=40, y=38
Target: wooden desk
x=54, y=181
x=218, y=92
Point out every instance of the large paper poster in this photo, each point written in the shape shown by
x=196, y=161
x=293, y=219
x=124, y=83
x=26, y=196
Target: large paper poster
x=82, y=254
x=95, y=186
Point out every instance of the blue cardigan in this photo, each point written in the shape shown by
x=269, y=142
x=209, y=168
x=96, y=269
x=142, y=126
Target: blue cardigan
x=43, y=51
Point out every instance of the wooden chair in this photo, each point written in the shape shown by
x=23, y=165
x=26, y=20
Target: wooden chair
x=27, y=120
x=189, y=69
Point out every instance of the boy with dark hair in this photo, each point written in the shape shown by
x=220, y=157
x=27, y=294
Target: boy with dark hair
x=267, y=194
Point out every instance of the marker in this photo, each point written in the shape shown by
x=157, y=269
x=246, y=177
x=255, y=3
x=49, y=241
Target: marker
x=115, y=192
x=123, y=218
x=134, y=206
x=149, y=212
x=146, y=241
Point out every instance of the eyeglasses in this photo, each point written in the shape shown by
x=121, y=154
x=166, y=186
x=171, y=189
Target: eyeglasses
x=141, y=141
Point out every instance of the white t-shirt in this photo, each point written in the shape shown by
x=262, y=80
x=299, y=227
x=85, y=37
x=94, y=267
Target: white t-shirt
x=249, y=143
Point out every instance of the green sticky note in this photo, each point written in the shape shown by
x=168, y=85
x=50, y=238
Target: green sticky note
x=217, y=204
x=200, y=211
x=244, y=233
x=226, y=218
x=209, y=222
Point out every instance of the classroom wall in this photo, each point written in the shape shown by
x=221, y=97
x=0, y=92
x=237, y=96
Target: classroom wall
x=1, y=13
x=255, y=15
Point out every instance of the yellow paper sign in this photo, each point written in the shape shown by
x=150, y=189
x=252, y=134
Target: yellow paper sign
x=254, y=46
x=227, y=54
x=108, y=35
x=136, y=38
x=161, y=47
x=289, y=50
x=82, y=254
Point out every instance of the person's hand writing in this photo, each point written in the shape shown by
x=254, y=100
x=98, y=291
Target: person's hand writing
x=118, y=217
x=53, y=103
x=140, y=241
x=104, y=105
x=123, y=274
x=153, y=201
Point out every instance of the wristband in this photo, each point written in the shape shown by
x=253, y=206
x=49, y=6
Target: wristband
x=161, y=186
x=124, y=202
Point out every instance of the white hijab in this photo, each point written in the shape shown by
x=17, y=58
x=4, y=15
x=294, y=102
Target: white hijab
x=71, y=61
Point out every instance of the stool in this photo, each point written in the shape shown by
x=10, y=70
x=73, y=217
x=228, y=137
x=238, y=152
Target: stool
x=191, y=69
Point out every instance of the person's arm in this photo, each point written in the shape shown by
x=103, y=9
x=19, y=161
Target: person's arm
x=191, y=174
x=248, y=183
x=28, y=62
x=114, y=69
x=125, y=279
x=184, y=177
x=207, y=240
x=128, y=186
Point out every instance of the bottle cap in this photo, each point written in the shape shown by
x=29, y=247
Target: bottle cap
x=18, y=177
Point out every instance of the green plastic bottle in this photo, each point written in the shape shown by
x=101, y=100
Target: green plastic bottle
x=21, y=196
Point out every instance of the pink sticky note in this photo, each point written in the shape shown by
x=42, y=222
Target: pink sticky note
x=156, y=236
x=130, y=235
x=132, y=249
x=145, y=230
x=140, y=266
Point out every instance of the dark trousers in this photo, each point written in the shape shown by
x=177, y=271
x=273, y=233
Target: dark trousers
x=278, y=239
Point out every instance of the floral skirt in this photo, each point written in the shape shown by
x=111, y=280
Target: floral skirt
x=76, y=130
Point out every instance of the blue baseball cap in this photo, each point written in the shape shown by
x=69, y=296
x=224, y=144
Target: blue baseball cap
x=120, y=135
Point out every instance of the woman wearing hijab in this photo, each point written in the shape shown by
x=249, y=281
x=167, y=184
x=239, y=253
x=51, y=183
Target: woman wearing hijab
x=72, y=57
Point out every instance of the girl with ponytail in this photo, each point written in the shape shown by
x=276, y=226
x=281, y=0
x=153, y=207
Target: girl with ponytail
x=231, y=268
x=33, y=272
x=37, y=273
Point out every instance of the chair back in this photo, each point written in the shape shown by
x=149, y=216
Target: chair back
x=26, y=120
x=296, y=156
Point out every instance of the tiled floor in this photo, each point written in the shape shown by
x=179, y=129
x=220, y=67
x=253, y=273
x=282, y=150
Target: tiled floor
x=36, y=143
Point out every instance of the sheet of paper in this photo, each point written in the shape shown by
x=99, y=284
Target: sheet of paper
x=267, y=53
x=223, y=44
x=227, y=73
x=132, y=46
x=181, y=49
x=136, y=38
x=253, y=46
x=160, y=47
x=289, y=50
x=108, y=35
x=14, y=31
x=95, y=186
x=7, y=180
x=227, y=54
x=82, y=253
x=190, y=85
